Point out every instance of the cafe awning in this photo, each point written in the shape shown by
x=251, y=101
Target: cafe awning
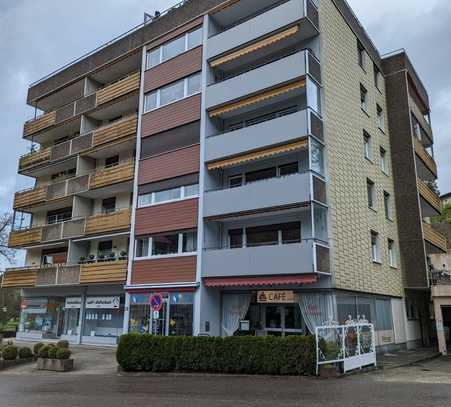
x=260, y=281
x=254, y=47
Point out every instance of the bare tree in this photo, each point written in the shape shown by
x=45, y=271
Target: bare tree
x=6, y=253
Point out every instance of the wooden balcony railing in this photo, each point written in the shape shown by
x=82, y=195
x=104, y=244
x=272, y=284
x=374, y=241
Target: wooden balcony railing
x=429, y=196
x=419, y=116
x=106, y=94
x=115, y=131
x=113, y=175
x=433, y=237
x=26, y=237
x=108, y=222
x=35, y=158
x=19, y=277
x=104, y=272
x=424, y=156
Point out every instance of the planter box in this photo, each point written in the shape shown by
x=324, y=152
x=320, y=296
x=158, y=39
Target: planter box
x=4, y=364
x=55, y=365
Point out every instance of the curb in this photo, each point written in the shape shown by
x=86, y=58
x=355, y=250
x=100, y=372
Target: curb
x=411, y=363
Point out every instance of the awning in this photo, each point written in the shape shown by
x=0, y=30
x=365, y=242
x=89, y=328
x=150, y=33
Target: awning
x=257, y=98
x=295, y=279
x=254, y=47
x=258, y=155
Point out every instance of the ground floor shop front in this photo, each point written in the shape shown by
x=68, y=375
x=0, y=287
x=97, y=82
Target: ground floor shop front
x=89, y=315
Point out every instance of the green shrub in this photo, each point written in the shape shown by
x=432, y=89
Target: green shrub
x=52, y=351
x=63, y=353
x=293, y=355
x=9, y=352
x=63, y=344
x=44, y=351
x=25, y=353
x=36, y=348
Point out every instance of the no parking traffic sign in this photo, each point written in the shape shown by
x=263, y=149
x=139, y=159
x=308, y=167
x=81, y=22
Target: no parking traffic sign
x=156, y=302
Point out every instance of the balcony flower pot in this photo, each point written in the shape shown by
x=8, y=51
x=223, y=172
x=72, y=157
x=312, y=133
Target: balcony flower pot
x=55, y=365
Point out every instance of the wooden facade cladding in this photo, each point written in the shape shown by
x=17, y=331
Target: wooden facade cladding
x=176, y=68
x=40, y=123
x=19, y=278
x=30, y=197
x=104, y=272
x=108, y=222
x=170, y=116
x=173, y=216
x=35, y=158
x=115, y=131
x=119, y=173
x=169, y=270
x=169, y=165
x=119, y=88
x=435, y=238
x=21, y=238
x=424, y=156
x=429, y=196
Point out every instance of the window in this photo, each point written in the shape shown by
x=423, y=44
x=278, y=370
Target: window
x=235, y=238
x=317, y=156
x=375, y=247
x=253, y=176
x=172, y=93
x=112, y=161
x=166, y=245
x=291, y=232
x=384, y=164
x=370, y=191
x=59, y=215
x=262, y=236
x=391, y=253
x=105, y=248
x=387, y=205
x=173, y=48
x=313, y=96
x=235, y=181
x=284, y=233
x=368, y=149
x=377, y=77
x=168, y=195
x=108, y=205
x=363, y=98
x=361, y=54
x=380, y=118
x=411, y=309
x=289, y=169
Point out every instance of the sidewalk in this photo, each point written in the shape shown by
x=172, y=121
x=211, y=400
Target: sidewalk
x=392, y=360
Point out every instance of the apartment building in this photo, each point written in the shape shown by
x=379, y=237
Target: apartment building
x=227, y=166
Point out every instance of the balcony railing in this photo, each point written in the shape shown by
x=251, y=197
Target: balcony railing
x=101, y=96
x=424, y=156
x=440, y=277
x=435, y=238
x=429, y=196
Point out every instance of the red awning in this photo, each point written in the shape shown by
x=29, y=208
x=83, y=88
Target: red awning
x=260, y=281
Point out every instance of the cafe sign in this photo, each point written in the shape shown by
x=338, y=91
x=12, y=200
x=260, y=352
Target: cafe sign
x=275, y=297
x=73, y=302
x=103, y=302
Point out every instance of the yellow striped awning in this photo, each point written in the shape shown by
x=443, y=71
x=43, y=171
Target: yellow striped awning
x=254, y=47
x=258, y=155
x=257, y=98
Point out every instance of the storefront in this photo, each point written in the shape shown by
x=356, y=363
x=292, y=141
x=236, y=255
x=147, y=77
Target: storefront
x=162, y=313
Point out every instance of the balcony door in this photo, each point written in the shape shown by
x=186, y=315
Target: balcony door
x=283, y=320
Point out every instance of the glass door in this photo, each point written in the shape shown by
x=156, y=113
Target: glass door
x=283, y=320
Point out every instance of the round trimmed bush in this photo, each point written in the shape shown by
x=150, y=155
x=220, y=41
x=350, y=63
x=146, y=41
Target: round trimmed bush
x=37, y=347
x=9, y=352
x=52, y=351
x=44, y=351
x=25, y=353
x=63, y=344
x=63, y=353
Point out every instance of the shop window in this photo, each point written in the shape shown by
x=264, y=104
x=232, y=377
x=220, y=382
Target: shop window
x=346, y=308
x=104, y=317
x=109, y=205
x=41, y=316
x=384, y=316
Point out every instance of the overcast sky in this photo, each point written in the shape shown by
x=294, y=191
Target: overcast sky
x=37, y=37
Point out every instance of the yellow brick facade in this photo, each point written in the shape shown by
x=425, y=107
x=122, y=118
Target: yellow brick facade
x=351, y=221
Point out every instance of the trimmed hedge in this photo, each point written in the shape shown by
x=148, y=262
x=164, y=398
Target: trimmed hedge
x=293, y=355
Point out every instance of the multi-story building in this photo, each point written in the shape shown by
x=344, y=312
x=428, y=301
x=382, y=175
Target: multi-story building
x=264, y=195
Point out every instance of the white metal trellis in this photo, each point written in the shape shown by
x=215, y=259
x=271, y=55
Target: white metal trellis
x=351, y=344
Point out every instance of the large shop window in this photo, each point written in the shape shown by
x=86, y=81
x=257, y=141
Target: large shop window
x=166, y=245
x=175, y=318
x=42, y=316
x=104, y=316
x=168, y=195
x=173, y=48
x=172, y=93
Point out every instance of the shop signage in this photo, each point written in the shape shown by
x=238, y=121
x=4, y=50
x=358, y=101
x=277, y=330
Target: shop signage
x=156, y=302
x=275, y=297
x=103, y=302
x=73, y=302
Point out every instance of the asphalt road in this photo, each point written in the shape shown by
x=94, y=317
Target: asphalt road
x=424, y=385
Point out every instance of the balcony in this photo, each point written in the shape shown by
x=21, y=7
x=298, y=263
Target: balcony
x=297, y=258
x=420, y=118
x=269, y=76
x=262, y=134
x=426, y=160
x=244, y=24
x=434, y=238
x=122, y=130
x=271, y=193
x=431, y=205
x=74, y=228
x=65, y=275
x=74, y=109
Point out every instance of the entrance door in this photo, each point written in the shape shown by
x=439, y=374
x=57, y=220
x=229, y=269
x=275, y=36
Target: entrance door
x=283, y=320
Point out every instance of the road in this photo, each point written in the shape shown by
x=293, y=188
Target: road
x=423, y=385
